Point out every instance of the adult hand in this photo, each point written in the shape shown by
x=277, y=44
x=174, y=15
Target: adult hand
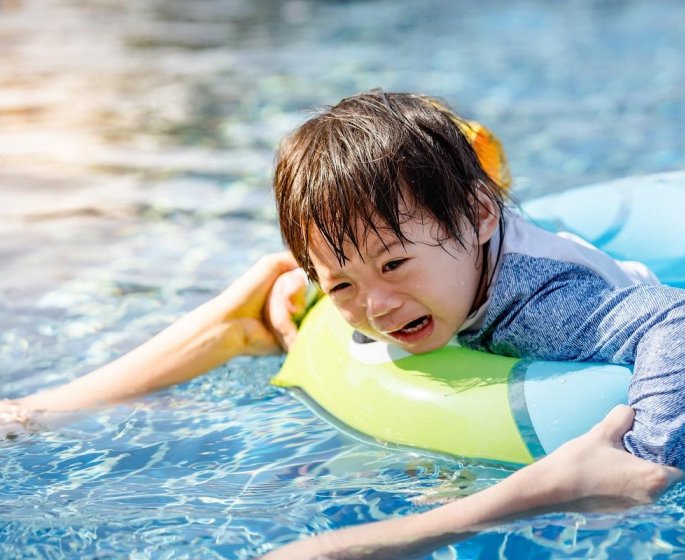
x=285, y=302
x=14, y=420
x=595, y=465
x=245, y=302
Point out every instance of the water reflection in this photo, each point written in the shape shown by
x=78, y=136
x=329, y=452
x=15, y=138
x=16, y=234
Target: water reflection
x=208, y=87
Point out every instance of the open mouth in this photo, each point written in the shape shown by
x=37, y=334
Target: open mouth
x=414, y=330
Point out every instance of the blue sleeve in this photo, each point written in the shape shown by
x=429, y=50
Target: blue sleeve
x=551, y=310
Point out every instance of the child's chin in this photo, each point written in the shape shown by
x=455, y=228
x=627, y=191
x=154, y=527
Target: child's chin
x=423, y=348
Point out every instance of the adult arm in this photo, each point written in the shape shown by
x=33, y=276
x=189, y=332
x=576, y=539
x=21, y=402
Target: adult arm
x=226, y=326
x=592, y=466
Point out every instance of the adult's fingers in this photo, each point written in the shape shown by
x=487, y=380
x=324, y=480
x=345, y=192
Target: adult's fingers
x=286, y=334
x=287, y=300
x=253, y=286
x=656, y=478
x=276, y=263
x=269, y=267
x=617, y=422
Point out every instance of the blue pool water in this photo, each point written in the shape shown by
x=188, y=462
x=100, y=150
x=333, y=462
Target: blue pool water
x=136, y=142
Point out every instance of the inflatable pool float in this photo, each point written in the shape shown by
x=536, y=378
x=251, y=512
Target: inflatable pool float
x=477, y=405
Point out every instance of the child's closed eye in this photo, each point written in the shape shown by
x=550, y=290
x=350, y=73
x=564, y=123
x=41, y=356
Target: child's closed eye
x=339, y=287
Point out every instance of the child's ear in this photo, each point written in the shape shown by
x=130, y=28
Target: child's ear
x=488, y=217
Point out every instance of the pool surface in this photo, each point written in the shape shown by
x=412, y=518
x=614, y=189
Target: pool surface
x=136, y=144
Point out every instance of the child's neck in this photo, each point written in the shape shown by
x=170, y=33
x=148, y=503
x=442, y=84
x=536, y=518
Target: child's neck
x=483, y=283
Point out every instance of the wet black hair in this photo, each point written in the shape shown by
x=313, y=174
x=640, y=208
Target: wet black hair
x=378, y=159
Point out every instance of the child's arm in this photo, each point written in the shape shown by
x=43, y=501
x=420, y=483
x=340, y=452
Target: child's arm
x=595, y=465
x=228, y=325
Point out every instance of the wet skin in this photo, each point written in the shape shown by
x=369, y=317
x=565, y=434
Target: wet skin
x=414, y=295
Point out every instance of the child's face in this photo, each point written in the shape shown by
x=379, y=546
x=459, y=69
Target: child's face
x=416, y=296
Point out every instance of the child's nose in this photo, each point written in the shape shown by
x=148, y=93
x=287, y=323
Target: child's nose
x=380, y=301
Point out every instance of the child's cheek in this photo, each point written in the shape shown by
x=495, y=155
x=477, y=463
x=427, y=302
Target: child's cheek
x=354, y=317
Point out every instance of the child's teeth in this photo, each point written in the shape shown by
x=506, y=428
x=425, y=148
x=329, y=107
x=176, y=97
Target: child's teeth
x=422, y=324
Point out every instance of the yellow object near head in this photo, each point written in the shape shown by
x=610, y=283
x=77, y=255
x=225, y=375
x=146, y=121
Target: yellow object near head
x=489, y=150
x=487, y=146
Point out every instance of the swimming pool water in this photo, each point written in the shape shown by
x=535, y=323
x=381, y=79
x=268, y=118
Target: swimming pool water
x=136, y=141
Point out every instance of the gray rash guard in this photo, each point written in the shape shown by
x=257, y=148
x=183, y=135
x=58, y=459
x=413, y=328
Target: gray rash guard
x=554, y=297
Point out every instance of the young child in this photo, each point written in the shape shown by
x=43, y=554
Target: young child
x=383, y=202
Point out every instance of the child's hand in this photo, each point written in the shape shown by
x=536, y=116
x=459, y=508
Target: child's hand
x=286, y=300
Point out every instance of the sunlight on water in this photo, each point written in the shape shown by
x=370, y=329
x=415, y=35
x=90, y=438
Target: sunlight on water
x=136, y=144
